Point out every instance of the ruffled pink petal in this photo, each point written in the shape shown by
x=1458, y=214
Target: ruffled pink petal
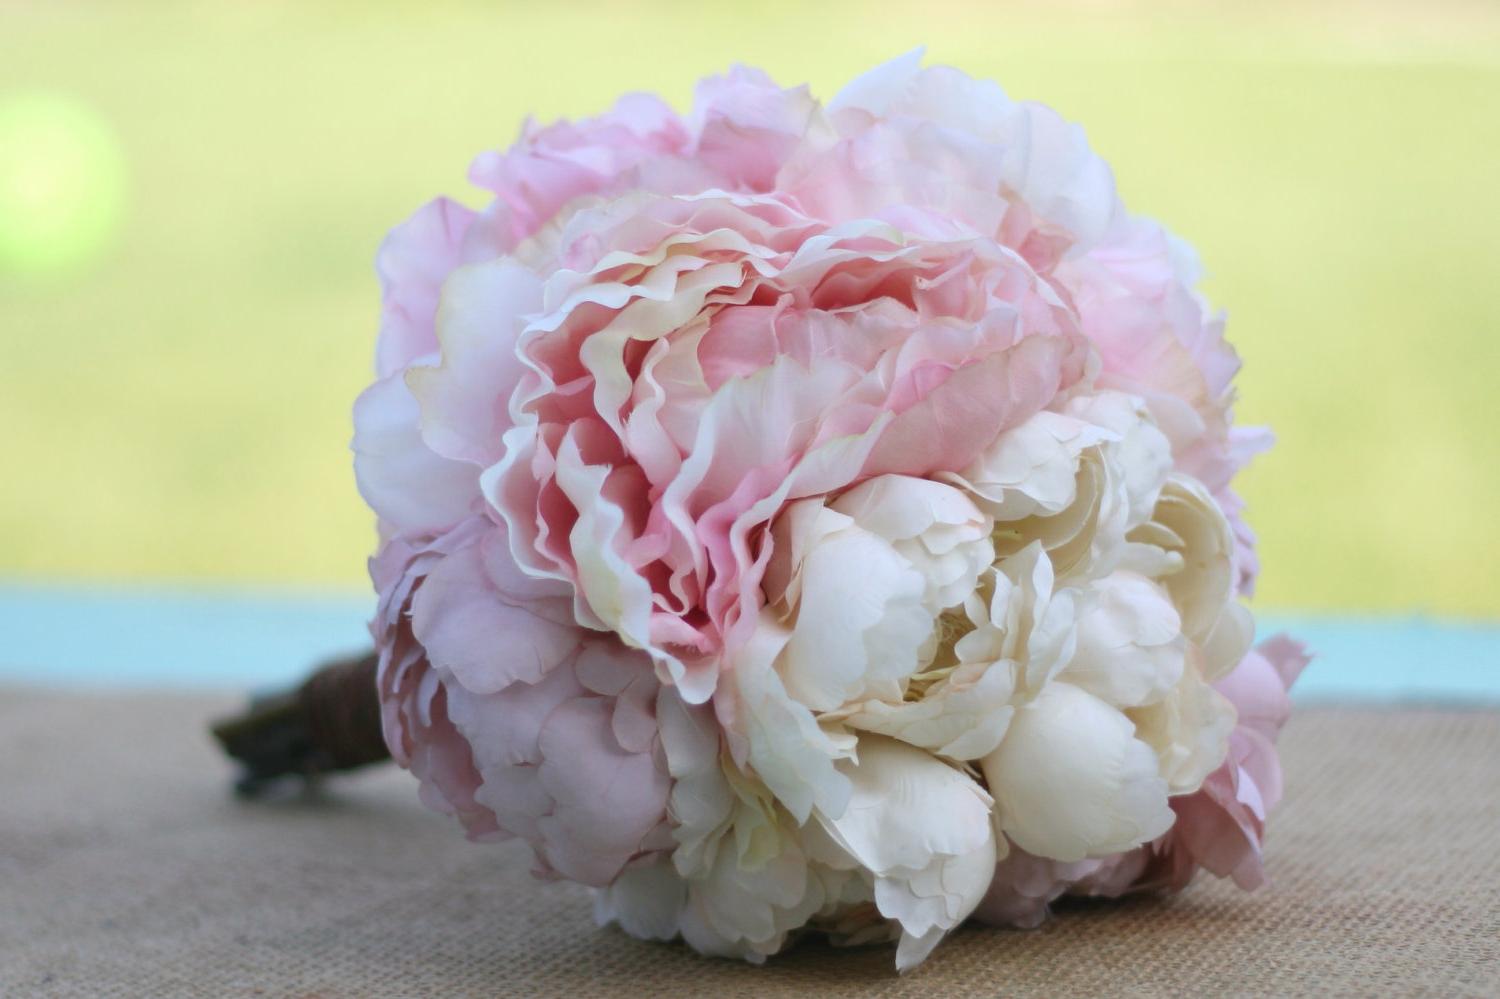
x=548, y=167
x=746, y=126
x=469, y=628
x=516, y=722
x=407, y=484
x=413, y=262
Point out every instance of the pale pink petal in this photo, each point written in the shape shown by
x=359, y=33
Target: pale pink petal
x=413, y=262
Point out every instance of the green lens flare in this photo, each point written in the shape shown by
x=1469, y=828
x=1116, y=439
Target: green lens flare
x=62, y=184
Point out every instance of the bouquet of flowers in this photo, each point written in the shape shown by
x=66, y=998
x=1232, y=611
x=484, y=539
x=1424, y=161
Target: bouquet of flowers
x=818, y=517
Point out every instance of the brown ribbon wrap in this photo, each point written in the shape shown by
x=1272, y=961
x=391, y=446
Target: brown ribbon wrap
x=328, y=724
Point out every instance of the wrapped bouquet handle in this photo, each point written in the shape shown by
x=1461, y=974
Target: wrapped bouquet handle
x=328, y=723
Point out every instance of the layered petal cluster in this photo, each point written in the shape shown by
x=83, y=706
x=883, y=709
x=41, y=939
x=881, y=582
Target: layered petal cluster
x=1219, y=828
x=816, y=517
x=516, y=720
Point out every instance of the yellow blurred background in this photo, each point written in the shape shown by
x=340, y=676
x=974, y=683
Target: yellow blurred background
x=191, y=195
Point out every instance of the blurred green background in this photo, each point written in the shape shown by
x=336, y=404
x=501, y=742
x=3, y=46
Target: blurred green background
x=191, y=195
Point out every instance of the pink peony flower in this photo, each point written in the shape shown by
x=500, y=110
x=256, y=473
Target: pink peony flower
x=742, y=475
x=557, y=745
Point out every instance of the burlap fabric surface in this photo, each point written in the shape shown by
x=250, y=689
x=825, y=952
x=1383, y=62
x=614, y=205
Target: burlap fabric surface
x=127, y=869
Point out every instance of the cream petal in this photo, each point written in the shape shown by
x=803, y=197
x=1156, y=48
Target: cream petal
x=1118, y=479
x=1071, y=780
x=786, y=748
x=923, y=829
x=935, y=527
x=645, y=900
x=1030, y=469
x=1206, y=582
x=906, y=807
x=1070, y=537
x=1039, y=622
x=1189, y=729
x=1231, y=637
x=1129, y=650
x=901, y=507
x=701, y=800
x=859, y=623
x=1139, y=455
x=931, y=902
x=962, y=717
x=748, y=912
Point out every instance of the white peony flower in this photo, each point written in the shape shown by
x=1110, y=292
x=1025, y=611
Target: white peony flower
x=1071, y=780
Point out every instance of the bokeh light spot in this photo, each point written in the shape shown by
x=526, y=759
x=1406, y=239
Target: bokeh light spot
x=62, y=185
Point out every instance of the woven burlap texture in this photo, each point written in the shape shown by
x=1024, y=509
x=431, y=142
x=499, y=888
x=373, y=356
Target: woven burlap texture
x=126, y=868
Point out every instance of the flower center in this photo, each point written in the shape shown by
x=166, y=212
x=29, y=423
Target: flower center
x=952, y=625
